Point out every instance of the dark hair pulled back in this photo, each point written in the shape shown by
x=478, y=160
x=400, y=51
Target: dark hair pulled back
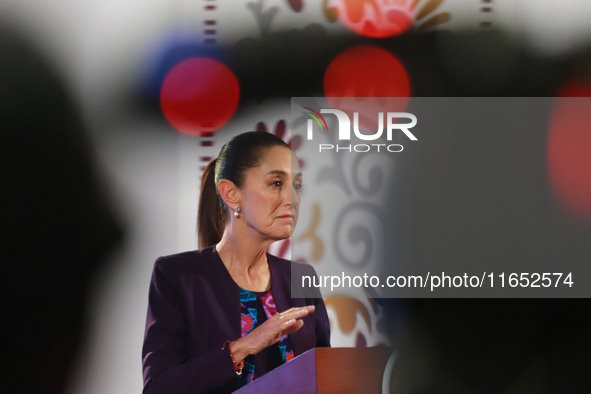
x=238, y=155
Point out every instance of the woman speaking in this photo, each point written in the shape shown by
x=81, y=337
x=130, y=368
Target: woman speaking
x=221, y=316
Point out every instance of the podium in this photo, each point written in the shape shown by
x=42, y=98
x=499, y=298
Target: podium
x=326, y=371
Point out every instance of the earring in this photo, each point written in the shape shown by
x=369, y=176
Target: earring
x=236, y=210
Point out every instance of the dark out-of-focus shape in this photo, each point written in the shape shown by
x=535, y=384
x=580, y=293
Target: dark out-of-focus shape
x=56, y=224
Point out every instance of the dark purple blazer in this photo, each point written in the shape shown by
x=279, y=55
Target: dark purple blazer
x=194, y=307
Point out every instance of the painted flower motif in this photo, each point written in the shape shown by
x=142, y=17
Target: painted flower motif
x=281, y=248
x=383, y=18
x=296, y=5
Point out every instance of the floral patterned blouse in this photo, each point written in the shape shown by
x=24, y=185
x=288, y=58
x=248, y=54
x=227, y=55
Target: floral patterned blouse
x=255, y=309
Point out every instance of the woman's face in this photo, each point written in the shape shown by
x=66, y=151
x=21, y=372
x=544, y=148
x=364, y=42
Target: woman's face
x=270, y=197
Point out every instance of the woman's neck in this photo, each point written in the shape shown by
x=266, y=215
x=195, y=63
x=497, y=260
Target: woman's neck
x=245, y=259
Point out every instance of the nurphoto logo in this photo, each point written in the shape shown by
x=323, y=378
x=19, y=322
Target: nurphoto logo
x=345, y=130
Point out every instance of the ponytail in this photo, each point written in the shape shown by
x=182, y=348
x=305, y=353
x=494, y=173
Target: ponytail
x=211, y=217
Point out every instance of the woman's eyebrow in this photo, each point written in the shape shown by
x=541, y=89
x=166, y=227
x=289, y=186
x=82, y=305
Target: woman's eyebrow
x=278, y=172
x=281, y=172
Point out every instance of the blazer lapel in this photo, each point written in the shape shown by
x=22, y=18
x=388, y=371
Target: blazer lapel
x=224, y=297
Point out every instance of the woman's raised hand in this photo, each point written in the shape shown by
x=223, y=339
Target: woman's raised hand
x=270, y=332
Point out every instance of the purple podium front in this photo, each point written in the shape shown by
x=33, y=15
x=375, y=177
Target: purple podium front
x=326, y=371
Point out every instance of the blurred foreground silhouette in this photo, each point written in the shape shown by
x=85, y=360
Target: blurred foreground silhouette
x=56, y=224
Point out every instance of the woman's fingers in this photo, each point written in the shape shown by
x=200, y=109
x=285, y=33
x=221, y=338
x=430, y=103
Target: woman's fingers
x=276, y=327
x=291, y=326
x=296, y=313
x=291, y=319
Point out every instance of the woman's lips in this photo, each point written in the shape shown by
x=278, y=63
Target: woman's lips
x=285, y=217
